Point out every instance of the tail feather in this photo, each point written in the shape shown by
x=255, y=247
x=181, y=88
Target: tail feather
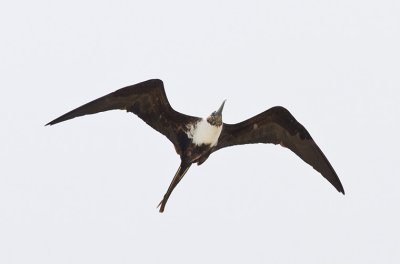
x=183, y=168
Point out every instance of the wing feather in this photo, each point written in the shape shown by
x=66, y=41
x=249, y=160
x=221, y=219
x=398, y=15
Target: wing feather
x=146, y=99
x=278, y=126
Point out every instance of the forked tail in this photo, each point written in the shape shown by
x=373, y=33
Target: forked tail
x=183, y=168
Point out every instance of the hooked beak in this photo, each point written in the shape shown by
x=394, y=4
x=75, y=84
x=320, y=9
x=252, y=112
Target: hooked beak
x=219, y=111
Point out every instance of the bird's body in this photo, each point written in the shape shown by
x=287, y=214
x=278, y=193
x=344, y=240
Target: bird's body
x=203, y=133
x=196, y=138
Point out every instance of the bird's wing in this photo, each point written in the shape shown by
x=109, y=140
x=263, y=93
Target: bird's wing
x=146, y=99
x=278, y=126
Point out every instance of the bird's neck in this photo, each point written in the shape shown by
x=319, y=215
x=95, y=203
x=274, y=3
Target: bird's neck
x=203, y=133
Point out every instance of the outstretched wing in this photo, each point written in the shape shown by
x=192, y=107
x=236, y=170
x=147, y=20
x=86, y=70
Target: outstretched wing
x=146, y=99
x=278, y=126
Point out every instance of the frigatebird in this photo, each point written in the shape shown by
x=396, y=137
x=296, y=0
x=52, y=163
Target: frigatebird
x=196, y=138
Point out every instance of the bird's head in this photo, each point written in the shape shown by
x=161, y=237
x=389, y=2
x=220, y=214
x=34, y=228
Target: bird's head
x=215, y=119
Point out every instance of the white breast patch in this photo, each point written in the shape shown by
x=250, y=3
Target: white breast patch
x=204, y=133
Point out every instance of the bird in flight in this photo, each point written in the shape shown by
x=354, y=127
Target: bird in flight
x=195, y=138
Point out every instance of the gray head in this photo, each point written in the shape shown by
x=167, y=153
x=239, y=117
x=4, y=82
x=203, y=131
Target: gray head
x=215, y=119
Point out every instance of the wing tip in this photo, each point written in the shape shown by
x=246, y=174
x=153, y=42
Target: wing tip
x=55, y=121
x=340, y=188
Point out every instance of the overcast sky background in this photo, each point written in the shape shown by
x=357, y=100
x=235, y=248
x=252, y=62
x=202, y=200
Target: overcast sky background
x=86, y=191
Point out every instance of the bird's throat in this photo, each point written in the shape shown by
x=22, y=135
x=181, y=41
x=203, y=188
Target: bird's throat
x=203, y=133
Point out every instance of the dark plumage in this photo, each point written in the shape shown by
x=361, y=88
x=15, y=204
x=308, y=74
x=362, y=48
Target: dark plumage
x=193, y=136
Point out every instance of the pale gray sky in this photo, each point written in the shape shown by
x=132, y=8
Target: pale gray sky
x=86, y=191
